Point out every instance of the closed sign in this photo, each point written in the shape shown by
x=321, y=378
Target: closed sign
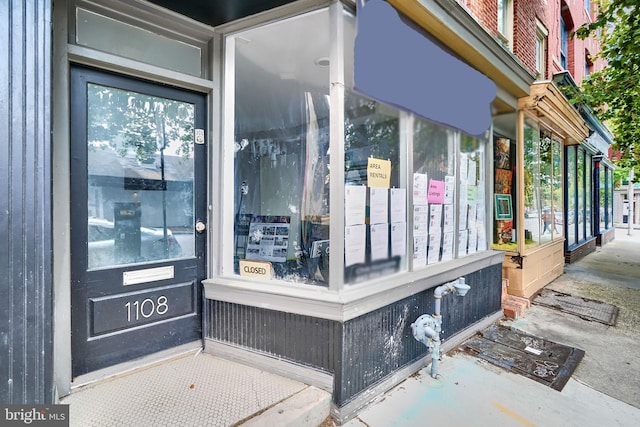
x=255, y=269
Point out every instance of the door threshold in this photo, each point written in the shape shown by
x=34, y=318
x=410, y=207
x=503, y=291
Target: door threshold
x=131, y=366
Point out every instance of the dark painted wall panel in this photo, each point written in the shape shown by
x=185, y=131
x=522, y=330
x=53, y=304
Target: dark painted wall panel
x=379, y=343
x=25, y=201
x=303, y=339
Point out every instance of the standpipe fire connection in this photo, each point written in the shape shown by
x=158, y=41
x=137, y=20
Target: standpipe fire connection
x=427, y=328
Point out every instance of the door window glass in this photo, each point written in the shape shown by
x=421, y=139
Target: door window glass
x=140, y=178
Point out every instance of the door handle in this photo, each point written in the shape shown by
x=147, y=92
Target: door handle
x=200, y=226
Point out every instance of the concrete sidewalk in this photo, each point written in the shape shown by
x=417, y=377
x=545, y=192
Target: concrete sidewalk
x=197, y=389
x=603, y=391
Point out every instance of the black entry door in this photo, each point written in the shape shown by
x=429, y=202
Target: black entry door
x=138, y=214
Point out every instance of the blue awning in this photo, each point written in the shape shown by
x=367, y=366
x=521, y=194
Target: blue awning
x=396, y=64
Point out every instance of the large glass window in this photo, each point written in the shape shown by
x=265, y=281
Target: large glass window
x=281, y=105
x=564, y=44
x=532, y=207
x=546, y=186
x=571, y=196
x=588, y=214
x=557, y=207
x=542, y=192
x=541, y=50
x=434, y=163
x=603, y=198
x=505, y=26
x=281, y=147
x=372, y=190
x=504, y=233
x=610, y=198
x=580, y=174
x=471, y=200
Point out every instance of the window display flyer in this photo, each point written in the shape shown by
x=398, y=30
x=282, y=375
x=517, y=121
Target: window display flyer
x=355, y=199
x=447, y=246
x=471, y=176
x=472, y=195
x=463, y=238
x=379, y=241
x=436, y=192
x=420, y=220
x=268, y=238
x=420, y=251
x=473, y=241
x=420, y=188
x=399, y=239
x=378, y=173
x=435, y=240
x=482, y=239
x=435, y=218
x=462, y=217
x=449, y=218
x=398, y=205
x=355, y=237
x=464, y=166
x=378, y=205
x=449, y=189
x=473, y=212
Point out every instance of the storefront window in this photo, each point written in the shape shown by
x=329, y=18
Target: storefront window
x=603, y=198
x=472, y=205
x=375, y=233
x=571, y=195
x=588, y=196
x=281, y=108
x=543, y=185
x=504, y=233
x=433, y=218
x=546, y=186
x=281, y=146
x=580, y=174
x=610, y=198
x=532, y=208
x=557, y=189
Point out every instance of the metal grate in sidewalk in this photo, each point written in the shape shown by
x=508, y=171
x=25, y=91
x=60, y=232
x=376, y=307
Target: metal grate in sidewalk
x=585, y=308
x=539, y=359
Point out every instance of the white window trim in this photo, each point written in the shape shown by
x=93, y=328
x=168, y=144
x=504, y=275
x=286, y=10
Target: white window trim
x=507, y=38
x=541, y=34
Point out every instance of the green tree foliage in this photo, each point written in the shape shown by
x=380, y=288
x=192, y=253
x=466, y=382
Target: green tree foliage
x=614, y=92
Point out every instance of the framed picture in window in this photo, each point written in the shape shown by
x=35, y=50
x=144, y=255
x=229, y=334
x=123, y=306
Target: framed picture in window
x=503, y=206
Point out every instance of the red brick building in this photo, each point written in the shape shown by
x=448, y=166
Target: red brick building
x=540, y=35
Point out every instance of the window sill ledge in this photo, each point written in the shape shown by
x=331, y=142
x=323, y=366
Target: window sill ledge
x=350, y=302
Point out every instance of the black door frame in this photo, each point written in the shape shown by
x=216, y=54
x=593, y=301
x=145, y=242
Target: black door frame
x=182, y=329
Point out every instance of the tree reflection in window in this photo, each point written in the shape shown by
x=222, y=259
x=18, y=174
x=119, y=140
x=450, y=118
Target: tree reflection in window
x=371, y=130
